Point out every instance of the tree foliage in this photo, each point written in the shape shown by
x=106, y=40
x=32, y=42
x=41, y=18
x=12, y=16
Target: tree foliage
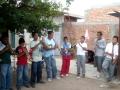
x=28, y=14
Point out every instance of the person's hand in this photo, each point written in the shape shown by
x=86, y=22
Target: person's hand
x=97, y=46
x=56, y=46
x=110, y=54
x=114, y=61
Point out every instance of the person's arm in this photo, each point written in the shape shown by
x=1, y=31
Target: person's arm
x=7, y=48
x=85, y=47
x=34, y=47
x=11, y=50
x=102, y=46
x=107, y=50
x=20, y=52
x=4, y=50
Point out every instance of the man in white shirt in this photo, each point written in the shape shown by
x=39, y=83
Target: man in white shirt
x=81, y=48
x=37, y=62
x=111, y=55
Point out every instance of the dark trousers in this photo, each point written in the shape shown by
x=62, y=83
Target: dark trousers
x=36, y=72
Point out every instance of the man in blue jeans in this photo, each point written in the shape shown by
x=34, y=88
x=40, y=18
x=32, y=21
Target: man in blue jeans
x=49, y=46
x=100, y=45
x=111, y=55
x=37, y=62
x=5, y=64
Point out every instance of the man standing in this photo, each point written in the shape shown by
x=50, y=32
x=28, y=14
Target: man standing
x=100, y=45
x=37, y=62
x=111, y=55
x=5, y=64
x=81, y=49
x=49, y=46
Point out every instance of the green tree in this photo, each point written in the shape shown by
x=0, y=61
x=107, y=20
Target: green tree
x=28, y=14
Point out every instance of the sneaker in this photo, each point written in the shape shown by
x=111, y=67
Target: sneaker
x=67, y=75
x=41, y=82
x=104, y=85
x=18, y=88
x=98, y=76
x=27, y=86
x=58, y=78
x=78, y=77
x=49, y=79
x=33, y=85
x=11, y=89
x=62, y=75
x=83, y=76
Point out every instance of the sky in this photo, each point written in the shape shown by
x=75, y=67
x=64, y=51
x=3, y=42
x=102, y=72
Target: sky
x=78, y=7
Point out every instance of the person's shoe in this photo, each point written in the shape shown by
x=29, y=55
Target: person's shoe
x=83, y=76
x=27, y=86
x=104, y=85
x=33, y=85
x=18, y=88
x=49, y=79
x=58, y=78
x=67, y=75
x=11, y=89
x=78, y=77
x=62, y=75
x=41, y=82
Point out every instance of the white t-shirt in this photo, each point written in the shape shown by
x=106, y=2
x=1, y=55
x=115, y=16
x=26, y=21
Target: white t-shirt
x=109, y=48
x=36, y=54
x=80, y=50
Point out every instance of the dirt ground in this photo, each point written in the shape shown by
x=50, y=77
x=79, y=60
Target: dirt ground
x=72, y=83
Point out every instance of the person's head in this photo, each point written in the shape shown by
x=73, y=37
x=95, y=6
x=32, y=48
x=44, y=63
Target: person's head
x=82, y=39
x=50, y=34
x=99, y=35
x=115, y=39
x=66, y=39
x=35, y=35
x=22, y=42
x=5, y=38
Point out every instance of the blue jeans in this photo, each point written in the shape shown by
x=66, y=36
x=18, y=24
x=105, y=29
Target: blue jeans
x=51, y=67
x=6, y=76
x=81, y=64
x=22, y=75
x=36, y=71
x=99, y=61
x=108, y=69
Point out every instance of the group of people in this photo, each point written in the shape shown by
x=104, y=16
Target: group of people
x=105, y=57
x=42, y=50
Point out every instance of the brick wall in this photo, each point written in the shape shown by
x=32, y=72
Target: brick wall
x=95, y=20
x=76, y=30
x=101, y=14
